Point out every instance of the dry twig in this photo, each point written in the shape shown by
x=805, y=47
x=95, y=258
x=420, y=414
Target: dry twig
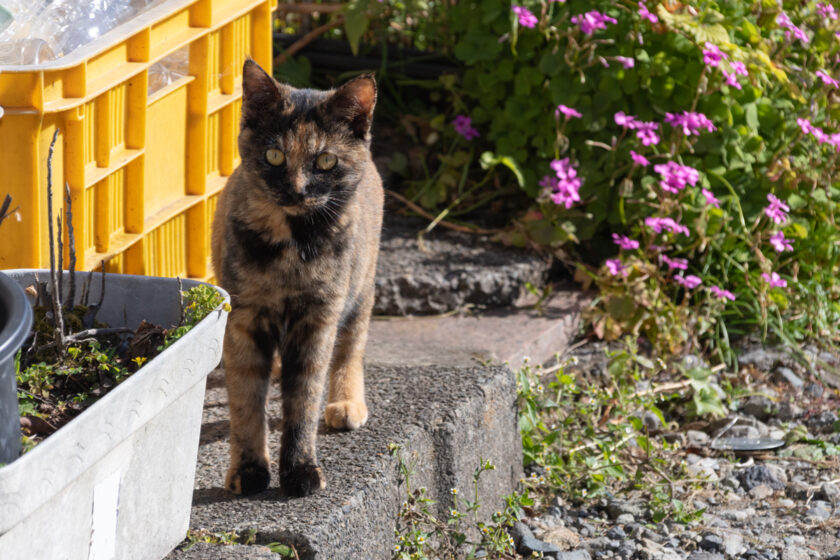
x=58, y=316
x=310, y=8
x=449, y=225
x=4, y=208
x=71, y=241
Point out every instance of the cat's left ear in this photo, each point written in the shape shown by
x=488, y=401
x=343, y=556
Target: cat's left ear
x=353, y=104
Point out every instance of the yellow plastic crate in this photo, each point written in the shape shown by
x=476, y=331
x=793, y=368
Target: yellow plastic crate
x=144, y=170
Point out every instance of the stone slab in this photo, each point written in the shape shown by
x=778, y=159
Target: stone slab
x=450, y=270
x=437, y=387
x=495, y=336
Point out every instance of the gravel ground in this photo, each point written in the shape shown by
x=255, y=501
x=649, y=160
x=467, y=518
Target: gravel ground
x=777, y=505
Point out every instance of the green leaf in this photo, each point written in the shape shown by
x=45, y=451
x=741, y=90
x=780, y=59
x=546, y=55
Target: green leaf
x=355, y=23
x=490, y=160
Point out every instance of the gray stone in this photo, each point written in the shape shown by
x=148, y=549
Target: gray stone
x=711, y=542
x=697, y=439
x=759, y=474
x=759, y=407
x=618, y=507
x=561, y=537
x=762, y=359
x=835, y=556
x=786, y=375
x=819, y=511
x=453, y=269
x=206, y=551
x=731, y=482
x=733, y=544
x=824, y=421
x=795, y=553
x=580, y=554
x=527, y=543
x=497, y=336
x=761, y=492
x=702, y=555
x=788, y=411
x=625, y=518
x=829, y=492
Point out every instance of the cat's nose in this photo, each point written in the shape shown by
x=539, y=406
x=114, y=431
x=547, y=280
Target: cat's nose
x=299, y=184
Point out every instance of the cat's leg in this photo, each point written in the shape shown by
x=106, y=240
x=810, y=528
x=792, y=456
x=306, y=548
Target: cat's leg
x=305, y=357
x=247, y=357
x=346, y=408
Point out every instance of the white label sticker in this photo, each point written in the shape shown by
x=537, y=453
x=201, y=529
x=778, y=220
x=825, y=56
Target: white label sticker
x=103, y=530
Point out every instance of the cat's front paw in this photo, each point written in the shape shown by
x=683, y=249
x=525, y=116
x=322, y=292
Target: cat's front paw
x=247, y=479
x=346, y=415
x=302, y=480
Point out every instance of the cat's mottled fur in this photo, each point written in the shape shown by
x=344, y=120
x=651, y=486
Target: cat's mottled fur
x=295, y=242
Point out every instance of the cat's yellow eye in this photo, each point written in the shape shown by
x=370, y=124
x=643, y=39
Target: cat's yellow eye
x=326, y=161
x=275, y=156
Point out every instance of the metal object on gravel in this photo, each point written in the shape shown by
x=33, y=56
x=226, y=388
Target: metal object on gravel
x=746, y=445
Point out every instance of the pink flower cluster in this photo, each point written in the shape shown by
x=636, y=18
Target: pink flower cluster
x=666, y=224
x=645, y=131
x=826, y=79
x=463, y=126
x=568, y=111
x=721, y=293
x=818, y=133
x=681, y=264
x=592, y=21
x=688, y=282
x=827, y=11
x=625, y=242
x=526, y=17
x=644, y=13
x=779, y=243
x=738, y=69
x=783, y=20
x=776, y=210
x=712, y=55
x=675, y=176
x=625, y=61
x=616, y=267
x=639, y=159
x=691, y=123
x=564, y=189
x=774, y=280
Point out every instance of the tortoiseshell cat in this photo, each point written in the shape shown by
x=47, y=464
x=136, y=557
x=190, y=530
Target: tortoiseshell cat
x=295, y=242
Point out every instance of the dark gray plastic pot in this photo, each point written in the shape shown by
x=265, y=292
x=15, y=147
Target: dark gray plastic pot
x=15, y=322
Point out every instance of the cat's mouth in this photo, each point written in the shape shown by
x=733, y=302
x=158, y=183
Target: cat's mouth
x=303, y=206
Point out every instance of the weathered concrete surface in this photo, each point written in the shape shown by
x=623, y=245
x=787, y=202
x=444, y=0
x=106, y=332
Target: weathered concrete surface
x=453, y=270
x=429, y=394
x=445, y=418
x=498, y=336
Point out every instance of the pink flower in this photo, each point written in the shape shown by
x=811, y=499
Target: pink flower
x=712, y=55
x=774, y=280
x=691, y=123
x=779, y=243
x=625, y=242
x=776, y=210
x=646, y=132
x=681, y=264
x=805, y=125
x=669, y=224
x=592, y=21
x=722, y=294
x=627, y=121
x=526, y=18
x=711, y=199
x=738, y=69
x=615, y=267
x=675, y=176
x=568, y=111
x=644, y=13
x=625, y=61
x=639, y=159
x=826, y=79
x=784, y=21
x=689, y=282
x=826, y=11
x=565, y=190
x=463, y=126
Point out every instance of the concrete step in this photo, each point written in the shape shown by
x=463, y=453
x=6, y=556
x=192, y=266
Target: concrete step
x=431, y=391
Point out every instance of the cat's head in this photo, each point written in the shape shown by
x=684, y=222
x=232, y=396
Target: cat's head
x=306, y=149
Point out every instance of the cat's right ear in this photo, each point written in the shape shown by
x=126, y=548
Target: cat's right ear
x=261, y=95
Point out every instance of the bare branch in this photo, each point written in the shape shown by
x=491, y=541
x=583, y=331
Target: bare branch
x=71, y=240
x=98, y=305
x=4, y=208
x=54, y=285
x=306, y=39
